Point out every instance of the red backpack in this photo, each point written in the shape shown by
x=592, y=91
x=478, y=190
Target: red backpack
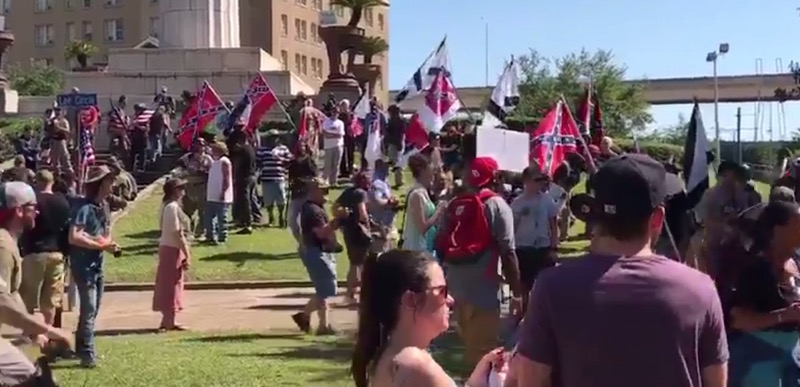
x=466, y=233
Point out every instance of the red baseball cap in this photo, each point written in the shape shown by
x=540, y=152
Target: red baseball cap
x=482, y=171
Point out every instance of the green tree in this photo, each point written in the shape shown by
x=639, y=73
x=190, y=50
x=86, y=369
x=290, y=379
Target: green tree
x=672, y=134
x=357, y=8
x=37, y=79
x=544, y=80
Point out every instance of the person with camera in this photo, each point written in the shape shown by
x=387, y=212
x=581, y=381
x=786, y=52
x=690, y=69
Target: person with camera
x=89, y=237
x=317, y=251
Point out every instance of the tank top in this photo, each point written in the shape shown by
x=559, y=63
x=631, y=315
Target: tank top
x=413, y=239
x=214, y=186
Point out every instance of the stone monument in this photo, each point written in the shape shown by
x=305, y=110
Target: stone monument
x=199, y=42
x=9, y=99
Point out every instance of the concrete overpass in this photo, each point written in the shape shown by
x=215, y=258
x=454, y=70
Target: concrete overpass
x=673, y=91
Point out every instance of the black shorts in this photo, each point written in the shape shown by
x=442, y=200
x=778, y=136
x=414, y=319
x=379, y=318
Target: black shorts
x=531, y=262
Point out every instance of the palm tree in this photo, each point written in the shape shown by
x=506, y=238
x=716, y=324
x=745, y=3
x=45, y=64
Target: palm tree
x=81, y=51
x=373, y=45
x=357, y=8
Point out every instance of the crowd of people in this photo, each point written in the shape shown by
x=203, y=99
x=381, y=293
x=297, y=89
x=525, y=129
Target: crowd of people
x=666, y=295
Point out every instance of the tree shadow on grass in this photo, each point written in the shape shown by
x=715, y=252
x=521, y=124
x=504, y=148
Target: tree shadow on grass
x=150, y=248
x=242, y=257
x=340, y=349
x=244, y=337
x=149, y=234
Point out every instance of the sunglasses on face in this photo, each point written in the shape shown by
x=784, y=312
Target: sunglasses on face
x=439, y=291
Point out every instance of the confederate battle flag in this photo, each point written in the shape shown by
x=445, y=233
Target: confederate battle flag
x=203, y=110
x=556, y=136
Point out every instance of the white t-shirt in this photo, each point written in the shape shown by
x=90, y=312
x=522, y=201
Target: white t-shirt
x=334, y=126
x=558, y=194
x=214, y=186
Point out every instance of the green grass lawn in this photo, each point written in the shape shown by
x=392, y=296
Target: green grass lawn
x=267, y=254
x=228, y=359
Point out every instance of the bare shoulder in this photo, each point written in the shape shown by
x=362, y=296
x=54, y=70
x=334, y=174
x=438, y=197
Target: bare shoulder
x=416, y=367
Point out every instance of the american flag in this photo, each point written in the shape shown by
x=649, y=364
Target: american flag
x=144, y=117
x=116, y=119
x=87, y=149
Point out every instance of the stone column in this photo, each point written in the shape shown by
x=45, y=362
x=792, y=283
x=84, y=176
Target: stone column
x=9, y=99
x=193, y=24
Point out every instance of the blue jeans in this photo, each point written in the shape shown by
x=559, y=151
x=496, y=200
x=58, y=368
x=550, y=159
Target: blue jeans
x=89, y=280
x=216, y=227
x=153, y=148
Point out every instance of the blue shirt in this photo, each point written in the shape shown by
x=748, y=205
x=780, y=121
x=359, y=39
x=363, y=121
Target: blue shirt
x=383, y=215
x=93, y=220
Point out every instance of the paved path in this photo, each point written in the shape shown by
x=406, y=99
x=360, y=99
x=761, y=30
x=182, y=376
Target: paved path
x=212, y=310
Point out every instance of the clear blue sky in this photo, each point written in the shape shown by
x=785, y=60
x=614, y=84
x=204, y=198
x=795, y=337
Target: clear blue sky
x=653, y=39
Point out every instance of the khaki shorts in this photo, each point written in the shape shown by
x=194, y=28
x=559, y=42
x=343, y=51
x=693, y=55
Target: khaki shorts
x=478, y=329
x=42, y=280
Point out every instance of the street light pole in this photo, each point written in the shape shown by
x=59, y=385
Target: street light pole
x=713, y=57
x=717, y=147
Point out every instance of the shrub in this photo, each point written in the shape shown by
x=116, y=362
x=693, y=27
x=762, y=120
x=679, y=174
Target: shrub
x=657, y=150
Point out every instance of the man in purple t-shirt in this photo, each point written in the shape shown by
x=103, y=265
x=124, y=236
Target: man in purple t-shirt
x=622, y=316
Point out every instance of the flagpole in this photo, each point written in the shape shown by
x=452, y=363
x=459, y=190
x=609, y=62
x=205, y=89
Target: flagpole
x=588, y=155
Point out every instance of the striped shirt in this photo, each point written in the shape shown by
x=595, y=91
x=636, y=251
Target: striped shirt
x=272, y=162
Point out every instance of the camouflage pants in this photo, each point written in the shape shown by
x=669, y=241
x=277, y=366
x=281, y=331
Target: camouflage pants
x=195, y=201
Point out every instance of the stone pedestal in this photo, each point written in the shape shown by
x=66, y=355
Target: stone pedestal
x=367, y=75
x=9, y=101
x=192, y=24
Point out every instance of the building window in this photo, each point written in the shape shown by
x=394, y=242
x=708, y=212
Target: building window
x=88, y=31
x=301, y=2
x=113, y=3
x=368, y=17
x=43, y=5
x=72, y=32
x=298, y=29
x=314, y=67
x=5, y=6
x=154, y=26
x=114, y=30
x=314, y=33
x=338, y=9
x=69, y=4
x=297, y=63
x=318, y=5
x=284, y=59
x=304, y=30
x=381, y=22
x=304, y=67
x=284, y=25
x=43, y=35
x=87, y=3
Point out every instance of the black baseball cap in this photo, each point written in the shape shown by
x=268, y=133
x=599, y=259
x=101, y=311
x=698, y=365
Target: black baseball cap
x=629, y=186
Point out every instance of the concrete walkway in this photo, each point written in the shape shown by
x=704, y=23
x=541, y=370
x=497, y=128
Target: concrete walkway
x=212, y=310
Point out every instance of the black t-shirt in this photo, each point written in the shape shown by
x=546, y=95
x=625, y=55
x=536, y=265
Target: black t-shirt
x=244, y=163
x=301, y=168
x=350, y=199
x=395, y=131
x=758, y=289
x=312, y=215
x=52, y=222
x=157, y=125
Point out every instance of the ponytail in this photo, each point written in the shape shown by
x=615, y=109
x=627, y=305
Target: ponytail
x=371, y=335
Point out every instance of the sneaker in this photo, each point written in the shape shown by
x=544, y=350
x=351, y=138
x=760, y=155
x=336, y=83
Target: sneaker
x=245, y=231
x=303, y=321
x=326, y=331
